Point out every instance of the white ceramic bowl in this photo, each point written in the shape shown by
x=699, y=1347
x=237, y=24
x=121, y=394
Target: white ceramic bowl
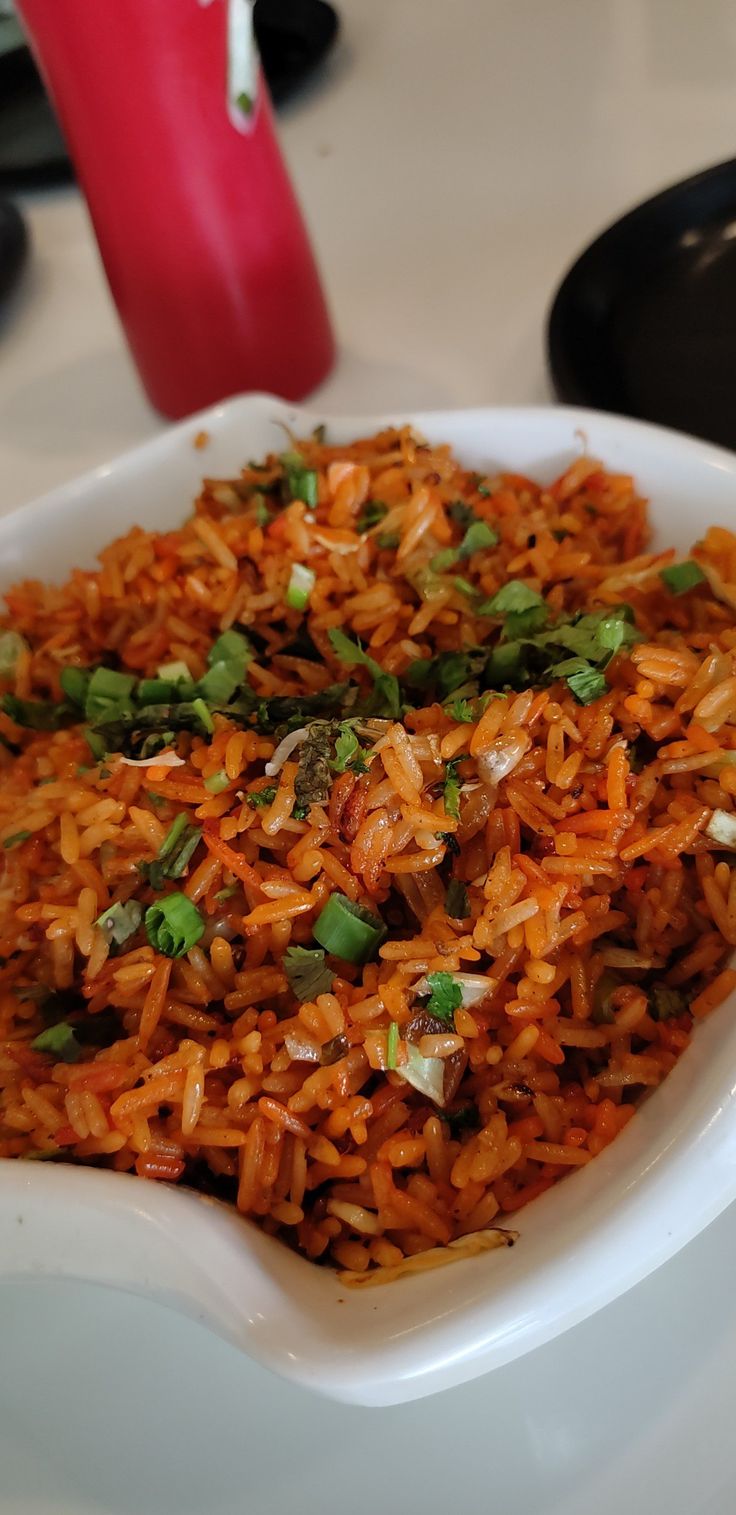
x=586, y=1241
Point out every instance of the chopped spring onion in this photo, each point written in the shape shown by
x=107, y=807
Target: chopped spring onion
x=173, y=925
x=301, y=482
x=120, y=921
x=12, y=646
x=199, y=709
x=680, y=577
x=16, y=839
x=348, y=930
x=300, y=586
x=172, y=836
x=108, y=692
x=232, y=648
x=174, y=673
x=307, y=972
x=227, y=661
x=75, y=683
x=392, y=1045
x=721, y=828
x=451, y=788
x=157, y=691
x=217, y=782
x=59, y=1042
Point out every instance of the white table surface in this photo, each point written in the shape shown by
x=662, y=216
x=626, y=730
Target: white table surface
x=452, y=160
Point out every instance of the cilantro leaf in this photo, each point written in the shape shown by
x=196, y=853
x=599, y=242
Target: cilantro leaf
x=386, y=697
x=445, y=998
x=511, y=598
x=306, y=970
x=259, y=799
x=478, y=536
x=348, y=751
x=584, y=681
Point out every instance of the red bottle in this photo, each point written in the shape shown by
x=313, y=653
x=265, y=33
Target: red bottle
x=170, y=128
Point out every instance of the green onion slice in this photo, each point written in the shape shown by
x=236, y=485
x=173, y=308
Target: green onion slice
x=300, y=586
x=174, y=925
x=348, y=930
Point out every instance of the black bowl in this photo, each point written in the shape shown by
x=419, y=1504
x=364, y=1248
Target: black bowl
x=644, y=323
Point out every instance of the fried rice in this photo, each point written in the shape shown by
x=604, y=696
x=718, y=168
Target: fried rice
x=365, y=844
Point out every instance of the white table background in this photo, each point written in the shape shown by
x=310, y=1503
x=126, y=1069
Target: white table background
x=452, y=159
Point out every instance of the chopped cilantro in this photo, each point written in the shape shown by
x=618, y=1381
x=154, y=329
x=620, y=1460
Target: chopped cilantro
x=585, y=682
x=258, y=799
x=388, y=540
x=307, y=972
x=348, y=751
x=477, y=537
x=386, y=698
x=16, y=839
x=445, y=998
x=512, y=598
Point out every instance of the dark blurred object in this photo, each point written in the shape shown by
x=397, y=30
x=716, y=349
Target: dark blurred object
x=293, y=38
x=13, y=246
x=644, y=323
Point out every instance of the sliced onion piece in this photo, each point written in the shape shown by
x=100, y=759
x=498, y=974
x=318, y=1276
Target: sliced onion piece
x=473, y=986
x=721, y=828
x=284, y=750
x=166, y=759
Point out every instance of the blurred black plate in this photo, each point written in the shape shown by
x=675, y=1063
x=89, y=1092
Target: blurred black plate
x=13, y=246
x=644, y=323
x=293, y=38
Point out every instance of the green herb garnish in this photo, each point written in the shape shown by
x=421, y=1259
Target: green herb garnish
x=348, y=751
x=386, y=699
x=307, y=972
x=451, y=788
x=392, y=1045
x=681, y=577
x=58, y=1042
x=174, y=925
x=445, y=998
x=349, y=930
x=301, y=482
x=300, y=586
x=259, y=799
